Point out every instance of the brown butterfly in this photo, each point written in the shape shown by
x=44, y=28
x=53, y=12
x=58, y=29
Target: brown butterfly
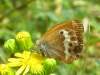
x=63, y=42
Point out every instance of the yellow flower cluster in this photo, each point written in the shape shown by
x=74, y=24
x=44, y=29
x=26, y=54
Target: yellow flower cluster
x=5, y=70
x=26, y=60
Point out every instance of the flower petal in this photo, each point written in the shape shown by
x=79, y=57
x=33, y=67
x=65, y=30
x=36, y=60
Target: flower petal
x=14, y=64
x=26, y=70
x=20, y=70
x=18, y=55
x=14, y=59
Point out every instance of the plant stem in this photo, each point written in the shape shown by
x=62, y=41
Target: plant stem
x=86, y=52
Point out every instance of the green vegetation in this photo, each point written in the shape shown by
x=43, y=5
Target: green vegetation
x=37, y=16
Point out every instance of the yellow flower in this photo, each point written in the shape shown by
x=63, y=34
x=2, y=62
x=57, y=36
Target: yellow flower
x=27, y=61
x=5, y=70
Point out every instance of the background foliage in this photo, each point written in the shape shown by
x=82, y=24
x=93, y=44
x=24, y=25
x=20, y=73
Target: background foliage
x=37, y=16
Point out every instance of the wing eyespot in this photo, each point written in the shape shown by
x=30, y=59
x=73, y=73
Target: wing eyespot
x=61, y=32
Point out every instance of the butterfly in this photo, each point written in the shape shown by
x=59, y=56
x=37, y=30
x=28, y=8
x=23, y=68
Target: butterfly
x=63, y=42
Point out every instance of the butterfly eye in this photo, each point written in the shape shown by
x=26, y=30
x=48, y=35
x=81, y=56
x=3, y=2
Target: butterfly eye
x=61, y=32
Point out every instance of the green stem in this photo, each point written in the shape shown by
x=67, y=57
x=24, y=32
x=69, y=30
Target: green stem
x=86, y=52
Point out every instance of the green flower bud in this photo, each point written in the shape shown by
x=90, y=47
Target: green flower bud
x=38, y=70
x=52, y=74
x=24, y=40
x=11, y=46
x=49, y=65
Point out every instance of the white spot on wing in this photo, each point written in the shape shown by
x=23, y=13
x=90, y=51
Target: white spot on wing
x=66, y=41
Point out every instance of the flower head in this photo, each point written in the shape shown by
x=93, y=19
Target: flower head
x=32, y=62
x=11, y=46
x=49, y=65
x=24, y=40
x=5, y=70
x=27, y=61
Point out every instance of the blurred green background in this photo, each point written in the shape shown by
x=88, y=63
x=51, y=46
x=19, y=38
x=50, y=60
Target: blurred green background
x=37, y=16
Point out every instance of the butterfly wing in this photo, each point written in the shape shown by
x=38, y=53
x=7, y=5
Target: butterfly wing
x=62, y=41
